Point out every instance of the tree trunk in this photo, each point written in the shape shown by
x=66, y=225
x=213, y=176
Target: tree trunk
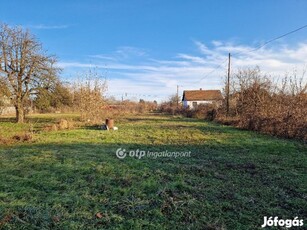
x=19, y=113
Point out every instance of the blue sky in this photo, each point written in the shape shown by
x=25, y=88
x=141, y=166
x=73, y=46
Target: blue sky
x=149, y=47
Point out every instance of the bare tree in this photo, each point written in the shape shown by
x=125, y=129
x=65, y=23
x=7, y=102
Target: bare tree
x=4, y=90
x=24, y=66
x=174, y=99
x=89, y=97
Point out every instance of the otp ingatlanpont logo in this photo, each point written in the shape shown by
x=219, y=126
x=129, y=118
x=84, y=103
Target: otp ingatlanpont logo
x=121, y=153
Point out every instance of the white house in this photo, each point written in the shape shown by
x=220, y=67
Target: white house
x=192, y=98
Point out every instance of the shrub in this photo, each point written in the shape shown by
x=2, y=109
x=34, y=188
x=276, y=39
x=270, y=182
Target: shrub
x=258, y=104
x=23, y=137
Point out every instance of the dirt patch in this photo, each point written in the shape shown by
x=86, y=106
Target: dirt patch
x=5, y=141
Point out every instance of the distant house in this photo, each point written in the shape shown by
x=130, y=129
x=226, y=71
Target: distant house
x=192, y=98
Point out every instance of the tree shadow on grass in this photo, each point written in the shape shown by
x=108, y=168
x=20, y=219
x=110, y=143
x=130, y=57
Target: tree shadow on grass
x=73, y=182
x=92, y=127
x=7, y=119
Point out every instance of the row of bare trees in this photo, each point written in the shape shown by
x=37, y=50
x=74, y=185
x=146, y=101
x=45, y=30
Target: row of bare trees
x=278, y=108
x=257, y=102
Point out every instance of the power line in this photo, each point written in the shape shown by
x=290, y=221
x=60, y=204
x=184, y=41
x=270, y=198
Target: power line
x=212, y=71
x=273, y=39
x=228, y=84
x=252, y=50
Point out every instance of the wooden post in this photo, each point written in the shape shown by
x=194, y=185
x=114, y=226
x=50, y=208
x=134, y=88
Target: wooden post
x=177, y=96
x=227, y=86
x=110, y=123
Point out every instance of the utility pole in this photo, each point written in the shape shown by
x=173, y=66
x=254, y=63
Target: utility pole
x=227, y=86
x=177, y=96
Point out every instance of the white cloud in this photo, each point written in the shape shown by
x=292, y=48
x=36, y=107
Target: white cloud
x=203, y=48
x=103, y=57
x=159, y=78
x=74, y=64
x=217, y=43
x=192, y=58
x=48, y=27
x=129, y=51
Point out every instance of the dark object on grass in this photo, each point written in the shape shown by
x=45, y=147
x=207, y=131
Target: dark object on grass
x=110, y=123
x=104, y=127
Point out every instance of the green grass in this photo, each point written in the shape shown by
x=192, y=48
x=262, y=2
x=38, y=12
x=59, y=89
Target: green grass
x=9, y=128
x=233, y=178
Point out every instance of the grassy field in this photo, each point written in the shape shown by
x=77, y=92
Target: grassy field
x=72, y=179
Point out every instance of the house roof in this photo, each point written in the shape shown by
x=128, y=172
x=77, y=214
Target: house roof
x=202, y=95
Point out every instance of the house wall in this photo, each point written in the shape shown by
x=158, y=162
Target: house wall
x=189, y=104
x=185, y=104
